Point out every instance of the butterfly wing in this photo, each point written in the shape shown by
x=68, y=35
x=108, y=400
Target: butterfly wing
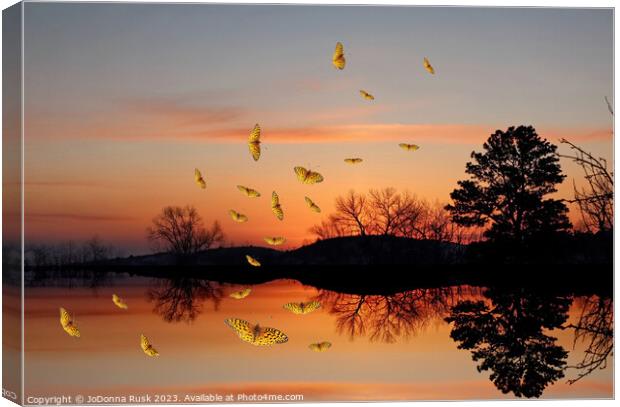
x=118, y=301
x=313, y=178
x=294, y=307
x=310, y=307
x=242, y=329
x=308, y=177
x=65, y=318
x=238, y=295
x=238, y=217
x=301, y=173
x=252, y=261
x=254, y=142
x=249, y=192
x=244, y=190
x=427, y=65
x=366, y=95
x=353, y=160
x=314, y=207
x=270, y=336
x=275, y=241
x=67, y=324
x=146, y=346
x=320, y=346
x=199, y=180
x=275, y=206
x=338, y=58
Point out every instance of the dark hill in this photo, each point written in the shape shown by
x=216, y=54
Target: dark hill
x=364, y=250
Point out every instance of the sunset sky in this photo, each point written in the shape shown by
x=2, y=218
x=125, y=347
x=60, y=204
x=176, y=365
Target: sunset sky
x=122, y=102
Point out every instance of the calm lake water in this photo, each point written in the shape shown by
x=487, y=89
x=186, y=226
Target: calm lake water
x=394, y=347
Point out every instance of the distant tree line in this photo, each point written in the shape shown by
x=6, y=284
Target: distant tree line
x=69, y=252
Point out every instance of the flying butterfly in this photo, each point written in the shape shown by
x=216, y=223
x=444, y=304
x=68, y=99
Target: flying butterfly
x=429, y=68
x=307, y=176
x=147, y=347
x=366, y=95
x=252, y=261
x=255, y=334
x=238, y=295
x=118, y=301
x=254, y=142
x=312, y=205
x=276, y=208
x=249, y=192
x=409, y=147
x=68, y=324
x=302, y=308
x=199, y=180
x=338, y=58
x=275, y=241
x=320, y=346
x=353, y=160
x=237, y=217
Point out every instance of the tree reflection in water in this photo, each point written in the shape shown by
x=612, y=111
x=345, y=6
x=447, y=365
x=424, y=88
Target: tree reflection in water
x=181, y=299
x=595, y=328
x=506, y=335
x=389, y=317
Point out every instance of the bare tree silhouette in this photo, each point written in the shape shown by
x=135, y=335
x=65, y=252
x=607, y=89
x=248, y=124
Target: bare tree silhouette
x=353, y=214
x=595, y=328
x=180, y=231
x=596, y=200
x=181, y=299
x=386, y=212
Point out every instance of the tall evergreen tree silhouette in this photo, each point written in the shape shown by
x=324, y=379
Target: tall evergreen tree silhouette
x=508, y=187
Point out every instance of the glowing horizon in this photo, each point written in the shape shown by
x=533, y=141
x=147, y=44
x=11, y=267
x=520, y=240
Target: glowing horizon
x=118, y=117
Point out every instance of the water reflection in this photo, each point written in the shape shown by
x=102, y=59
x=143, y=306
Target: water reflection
x=507, y=336
x=182, y=299
x=71, y=278
x=386, y=318
x=510, y=333
x=595, y=329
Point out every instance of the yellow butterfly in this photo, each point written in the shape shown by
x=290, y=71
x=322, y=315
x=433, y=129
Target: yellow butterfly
x=275, y=241
x=252, y=261
x=255, y=334
x=238, y=295
x=68, y=324
x=118, y=301
x=249, y=192
x=147, y=347
x=302, y=308
x=353, y=160
x=254, y=142
x=320, y=346
x=338, y=59
x=275, y=206
x=312, y=205
x=409, y=147
x=199, y=180
x=238, y=217
x=427, y=65
x=366, y=95
x=308, y=177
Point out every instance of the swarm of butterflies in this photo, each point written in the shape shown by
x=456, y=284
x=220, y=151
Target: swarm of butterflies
x=305, y=176
x=247, y=332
